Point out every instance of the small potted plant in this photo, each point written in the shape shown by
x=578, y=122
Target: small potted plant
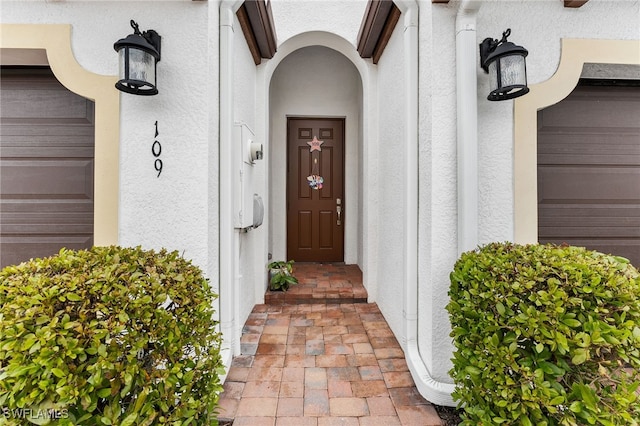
x=281, y=275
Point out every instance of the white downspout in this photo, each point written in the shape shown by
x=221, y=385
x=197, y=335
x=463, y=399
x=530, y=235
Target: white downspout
x=467, y=123
x=433, y=390
x=227, y=296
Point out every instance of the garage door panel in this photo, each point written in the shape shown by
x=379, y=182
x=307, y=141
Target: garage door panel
x=593, y=230
x=46, y=179
x=584, y=209
x=567, y=215
x=627, y=248
x=609, y=184
x=18, y=248
x=589, y=171
x=595, y=107
x=592, y=226
x=16, y=152
x=44, y=227
x=39, y=104
x=61, y=206
x=46, y=167
x=24, y=128
x=589, y=149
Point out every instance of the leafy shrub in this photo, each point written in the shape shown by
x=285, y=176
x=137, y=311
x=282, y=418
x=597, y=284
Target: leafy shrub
x=281, y=275
x=108, y=336
x=545, y=335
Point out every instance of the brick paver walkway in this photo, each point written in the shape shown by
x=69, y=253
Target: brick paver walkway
x=322, y=364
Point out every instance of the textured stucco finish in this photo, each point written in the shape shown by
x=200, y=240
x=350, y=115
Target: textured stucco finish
x=179, y=210
x=252, y=259
x=539, y=26
x=391, y=160
x=171, y=211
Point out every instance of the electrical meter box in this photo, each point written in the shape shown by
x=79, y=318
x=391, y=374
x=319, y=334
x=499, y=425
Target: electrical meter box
x=244, y=155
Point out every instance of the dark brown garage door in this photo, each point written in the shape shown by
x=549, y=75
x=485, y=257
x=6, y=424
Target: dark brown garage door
x=46, y=166
x=589, y=170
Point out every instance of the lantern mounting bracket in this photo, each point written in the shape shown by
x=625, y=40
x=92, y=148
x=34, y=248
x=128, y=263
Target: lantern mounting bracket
x=488, y=45
x=152, y=37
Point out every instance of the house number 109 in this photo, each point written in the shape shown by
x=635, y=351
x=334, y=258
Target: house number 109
x=156, y=150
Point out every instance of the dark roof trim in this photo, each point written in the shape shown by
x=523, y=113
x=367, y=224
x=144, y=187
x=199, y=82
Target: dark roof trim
x=256, y=21
x=567, y=3
x=574, y=3
x=394, y=16
x=248, y=34
x=380, y=18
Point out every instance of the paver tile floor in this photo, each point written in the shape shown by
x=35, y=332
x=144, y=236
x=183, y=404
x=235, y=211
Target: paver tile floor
x=325, y=363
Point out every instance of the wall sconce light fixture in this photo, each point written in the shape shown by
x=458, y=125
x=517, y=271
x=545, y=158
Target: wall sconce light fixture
x=138, y=53
x=505, y=62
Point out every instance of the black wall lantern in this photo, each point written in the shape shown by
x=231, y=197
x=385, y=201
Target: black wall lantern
x=138, y=53
x=505, y=62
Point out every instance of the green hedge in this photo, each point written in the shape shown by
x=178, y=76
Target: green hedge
x=545, y=335
x=108, y=336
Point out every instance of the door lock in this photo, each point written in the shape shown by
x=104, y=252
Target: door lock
x=339, y=211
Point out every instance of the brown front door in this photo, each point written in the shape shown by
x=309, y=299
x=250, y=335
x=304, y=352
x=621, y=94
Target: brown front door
x=315, y=189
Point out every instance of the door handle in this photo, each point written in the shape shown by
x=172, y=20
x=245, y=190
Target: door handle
x=339, y=211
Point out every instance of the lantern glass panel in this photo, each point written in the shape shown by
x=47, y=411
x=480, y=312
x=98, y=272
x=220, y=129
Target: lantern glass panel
x=493, y=76
x=142, y=68
x=513, y=71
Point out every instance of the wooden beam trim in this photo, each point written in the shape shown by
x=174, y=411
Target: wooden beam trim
x=365, y=26
x=261, y=20
x=574, y=3
x=273, y=44
x=394, y=16
x=373, y=23
x=248, y=34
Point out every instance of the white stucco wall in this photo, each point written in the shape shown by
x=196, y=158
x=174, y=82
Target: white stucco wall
x=213, y=111
x=252, y=255
x=391, y=172
x=171, y=211
x=314, y=81
x=340, y=17
x=437, y=185
x=538, y=26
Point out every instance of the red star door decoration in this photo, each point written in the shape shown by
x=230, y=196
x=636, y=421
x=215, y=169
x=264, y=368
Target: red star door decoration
x=315, y=145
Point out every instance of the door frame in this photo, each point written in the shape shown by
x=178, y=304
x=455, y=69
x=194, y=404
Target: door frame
x=343, y=188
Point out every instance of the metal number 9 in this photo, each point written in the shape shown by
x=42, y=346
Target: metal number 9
x=158, y=166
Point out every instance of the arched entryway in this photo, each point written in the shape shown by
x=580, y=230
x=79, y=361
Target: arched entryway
x=316, y=85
